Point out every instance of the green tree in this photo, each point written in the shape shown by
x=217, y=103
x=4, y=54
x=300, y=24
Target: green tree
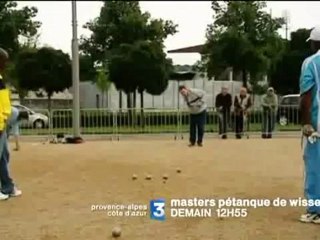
x=87, y=70
x=45, y=68
x=285, y=76
x=244, y=37
x=18, y=29
x=115, y=35
x=26, y=69
x=103, y=83
x=16, y=24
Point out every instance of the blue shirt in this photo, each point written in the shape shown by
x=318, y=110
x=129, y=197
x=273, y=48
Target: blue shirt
x=309, y=80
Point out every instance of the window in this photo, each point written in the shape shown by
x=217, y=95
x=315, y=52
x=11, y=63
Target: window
x=19, y=107
x=290, y=101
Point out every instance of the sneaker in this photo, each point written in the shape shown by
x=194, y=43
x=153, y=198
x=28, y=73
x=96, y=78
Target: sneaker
x=3, y=196
x=16, y=192
x=316, y=219
x=309, y=217
x=191, y=145
x=200, y=145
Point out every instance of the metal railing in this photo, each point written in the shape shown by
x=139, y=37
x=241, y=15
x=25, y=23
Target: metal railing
x=146, y=121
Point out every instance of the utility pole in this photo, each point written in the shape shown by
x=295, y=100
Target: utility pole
x=75, y=72
x=286, y=17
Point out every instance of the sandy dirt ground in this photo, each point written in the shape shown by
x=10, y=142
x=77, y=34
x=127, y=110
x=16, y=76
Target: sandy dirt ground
x=60, y=183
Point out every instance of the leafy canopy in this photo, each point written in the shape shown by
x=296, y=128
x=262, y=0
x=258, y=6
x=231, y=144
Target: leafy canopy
x=243, y=36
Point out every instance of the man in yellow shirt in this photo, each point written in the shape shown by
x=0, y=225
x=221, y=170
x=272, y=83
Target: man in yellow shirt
x=8, y=188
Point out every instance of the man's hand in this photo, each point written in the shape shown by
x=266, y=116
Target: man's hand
x=307, y=130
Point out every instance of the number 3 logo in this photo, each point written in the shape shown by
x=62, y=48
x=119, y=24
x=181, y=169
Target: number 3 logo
x=159, y=211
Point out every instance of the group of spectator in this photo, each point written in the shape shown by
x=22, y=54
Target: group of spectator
x=242, y=105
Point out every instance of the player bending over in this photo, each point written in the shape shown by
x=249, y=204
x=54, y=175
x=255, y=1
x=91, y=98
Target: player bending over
x=310, y=114
x=195, y=99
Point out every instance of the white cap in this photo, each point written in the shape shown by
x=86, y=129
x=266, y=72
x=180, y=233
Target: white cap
x=315, y=34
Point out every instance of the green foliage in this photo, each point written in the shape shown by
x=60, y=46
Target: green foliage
x=133, y=43
x=15, y=23
x=285, y=76
x=244, y=37
x=102, y=80
x=87, y=70
x=44, y=68
x=146, y=67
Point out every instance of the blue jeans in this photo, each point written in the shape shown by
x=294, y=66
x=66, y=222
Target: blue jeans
x=197, y=123
x=311, y=158
x=7, y=185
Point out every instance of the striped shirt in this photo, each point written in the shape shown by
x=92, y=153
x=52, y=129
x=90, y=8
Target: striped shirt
x=309, y=80
x=196, y=100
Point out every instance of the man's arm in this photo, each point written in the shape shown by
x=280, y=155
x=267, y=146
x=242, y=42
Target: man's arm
x=275, y=106
x=307, y=82
x=305, y=108
x=264, y=102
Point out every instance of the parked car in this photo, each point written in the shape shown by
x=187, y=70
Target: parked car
x=36, y=120
x=288, y=111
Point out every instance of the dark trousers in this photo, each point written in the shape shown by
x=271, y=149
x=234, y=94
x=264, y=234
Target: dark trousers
x=224, y=120
x=240, y=124
x=197, y=123
x=268, y=122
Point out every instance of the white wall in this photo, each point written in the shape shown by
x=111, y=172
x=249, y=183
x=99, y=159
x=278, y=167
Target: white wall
x=169, y=99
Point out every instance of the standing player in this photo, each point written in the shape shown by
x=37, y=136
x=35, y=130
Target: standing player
x=242, y=105
x=269, y=112
x=223, y=106
x=7, y=186
x=195, y=99
x=310, y=114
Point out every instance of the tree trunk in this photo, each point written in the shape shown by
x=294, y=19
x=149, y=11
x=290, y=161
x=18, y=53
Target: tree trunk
x=120, y=100
x=133, y=100
x=102, y=99
x=129, y=107
x=244, y=78
x=49, y=103
x=134, y=105
x=107, y=99
x=141, y=110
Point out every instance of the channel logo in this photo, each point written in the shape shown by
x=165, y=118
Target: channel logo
x=157, y=209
